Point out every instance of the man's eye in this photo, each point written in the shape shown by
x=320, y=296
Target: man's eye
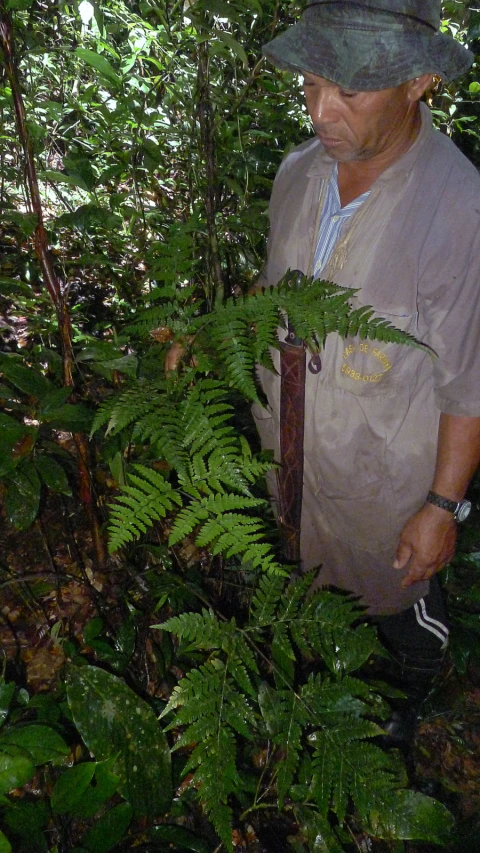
x=346, y=94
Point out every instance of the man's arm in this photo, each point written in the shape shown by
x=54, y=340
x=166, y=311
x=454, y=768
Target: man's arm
x=427, y=541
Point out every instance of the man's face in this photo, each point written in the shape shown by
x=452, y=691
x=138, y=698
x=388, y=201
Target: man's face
x=359, y=125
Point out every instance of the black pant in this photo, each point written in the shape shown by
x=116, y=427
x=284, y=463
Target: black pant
x=419, y=634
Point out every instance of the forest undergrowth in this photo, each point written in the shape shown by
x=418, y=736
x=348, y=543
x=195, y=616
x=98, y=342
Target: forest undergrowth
x=164, y=686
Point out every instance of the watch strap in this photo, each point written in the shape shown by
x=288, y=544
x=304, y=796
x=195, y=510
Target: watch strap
x=443, y=503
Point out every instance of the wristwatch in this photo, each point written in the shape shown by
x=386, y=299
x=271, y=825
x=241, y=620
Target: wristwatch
x=460, y=509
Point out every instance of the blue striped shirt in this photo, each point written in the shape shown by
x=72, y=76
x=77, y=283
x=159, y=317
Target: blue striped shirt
x=332, y=220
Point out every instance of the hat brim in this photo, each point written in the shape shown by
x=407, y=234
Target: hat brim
x=362, y=60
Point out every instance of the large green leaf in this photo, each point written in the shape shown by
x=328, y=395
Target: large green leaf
x=22, y=500
x=13, y=285
x=99, y=63
x=52, y=401
x=62, y=178
x=115, y=722
x=5, y=846
x=70, y=786
x=109, y=830
x=16, y=441
x=179, y=837
x=71, y=417
x=410, y=815
x=41, y=742
x=26, y=379
x=102, y=788
x=28, y=820
x=234, y=46
x=52, y=474
x=16, y=769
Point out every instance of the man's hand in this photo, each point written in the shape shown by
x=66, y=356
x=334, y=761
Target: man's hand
x=427, y=544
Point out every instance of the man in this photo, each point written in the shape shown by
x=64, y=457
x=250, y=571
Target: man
x=382, y=203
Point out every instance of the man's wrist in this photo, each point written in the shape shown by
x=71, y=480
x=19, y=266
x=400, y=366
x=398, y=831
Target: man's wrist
x=458, y=509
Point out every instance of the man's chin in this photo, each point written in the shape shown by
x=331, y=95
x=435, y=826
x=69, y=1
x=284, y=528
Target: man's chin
x=337, y=148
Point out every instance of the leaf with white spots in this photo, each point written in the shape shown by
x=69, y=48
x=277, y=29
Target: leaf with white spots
x=115, y=723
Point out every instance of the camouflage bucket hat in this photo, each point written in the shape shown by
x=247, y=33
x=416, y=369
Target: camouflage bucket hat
x=369, y=44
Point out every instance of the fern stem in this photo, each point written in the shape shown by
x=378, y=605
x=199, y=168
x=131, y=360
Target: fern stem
x=256, y=808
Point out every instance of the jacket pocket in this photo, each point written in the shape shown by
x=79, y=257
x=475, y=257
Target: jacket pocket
x=370, y=368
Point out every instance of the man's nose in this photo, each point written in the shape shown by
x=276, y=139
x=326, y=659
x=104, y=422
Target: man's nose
x=324, y=108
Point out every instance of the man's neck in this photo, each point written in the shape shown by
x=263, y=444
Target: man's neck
x=355, y=177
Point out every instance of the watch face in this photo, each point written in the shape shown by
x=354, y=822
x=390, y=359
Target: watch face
x=463, y=510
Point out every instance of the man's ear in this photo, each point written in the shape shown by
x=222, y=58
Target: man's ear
x=418, y=86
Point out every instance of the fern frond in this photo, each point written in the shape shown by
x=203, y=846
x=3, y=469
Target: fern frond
x=233, y=534
x=203, y=628
x=245, y=330
x=124, y=409
x=202, y=510
x=205, y=631
x=213, y=710
x=214, y=760
x=140, y=505
x=344, y=764
x=265, y=600
x=234, y=337
x=283, y=655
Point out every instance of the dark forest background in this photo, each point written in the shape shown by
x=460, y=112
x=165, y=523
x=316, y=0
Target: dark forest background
x=162, y=685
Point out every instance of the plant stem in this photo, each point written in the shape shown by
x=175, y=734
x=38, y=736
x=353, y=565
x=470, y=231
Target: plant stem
x=50, y=277
x=207, y=137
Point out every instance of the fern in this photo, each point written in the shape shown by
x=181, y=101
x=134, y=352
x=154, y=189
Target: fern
x=147, y=500
x=213, y=712
x=214, y=469
x=242, y=331
x=120, y=411
x=265, y=600
x=226, y=699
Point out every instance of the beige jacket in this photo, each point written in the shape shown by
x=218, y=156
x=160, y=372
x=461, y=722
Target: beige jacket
x=413, y=252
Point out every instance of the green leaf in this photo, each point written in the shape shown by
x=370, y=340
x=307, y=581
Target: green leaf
x=71, y=417
x=62, y=178
x=22, y=500
x=22, y=5
x=234, y=46
x=16, y=441
x=52, y=474
x=26, y=222
x=16, y=769
x=127, y=364
x=42, y=742
x=5, y=846
x=28, y=820
x=53, y=400
x=93, y=629
x=125, y=639
x=179, y=837
x=26, y=379
x=9, y=286
x=70, y=786
x=115, y=722
x=96, y=795
x=6, y=695
x=109, y=830
x=411, y=815
x=99, y=63
x=474, y=88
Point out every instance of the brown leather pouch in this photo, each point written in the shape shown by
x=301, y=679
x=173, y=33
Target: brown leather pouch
x=292, y=421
